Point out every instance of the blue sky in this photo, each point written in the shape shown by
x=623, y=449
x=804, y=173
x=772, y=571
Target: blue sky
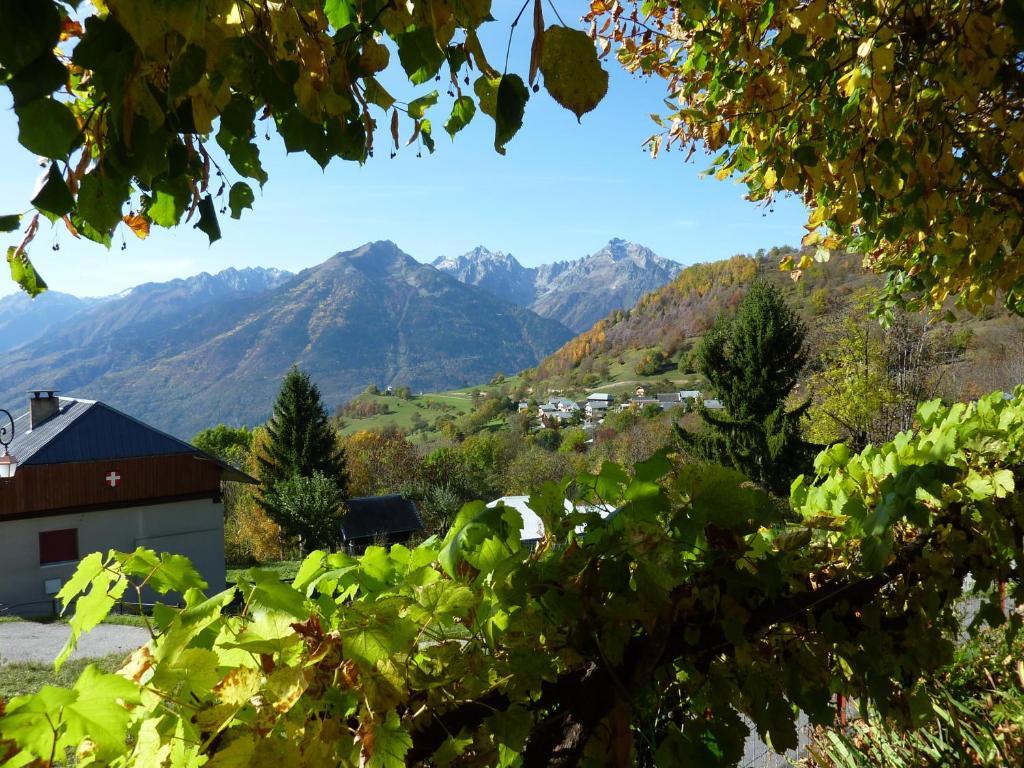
x=562, y=190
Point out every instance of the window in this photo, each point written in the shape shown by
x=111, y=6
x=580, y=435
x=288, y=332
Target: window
x=58, y=546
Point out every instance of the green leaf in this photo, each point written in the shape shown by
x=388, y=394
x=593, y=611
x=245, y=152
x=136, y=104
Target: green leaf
x=389, y=744
x=462, y=113
x=40, y=78
x=263, y=589
x=572, y=73
x=417, y=107
x=23, y=273
x=339, y=13
x=106, y=587
x=168, y=202
x=99, y=712
x=427, y=134
x=27, y=720
x=46, y=127
x=10, y=223
x=187, y=69
x=377, y=94
x=100, y=199
x=420, y=54
x=208, y=219
x=240, y=197
x=509, y=106
x=27, y=31
x=807, y=155
x=54, y=198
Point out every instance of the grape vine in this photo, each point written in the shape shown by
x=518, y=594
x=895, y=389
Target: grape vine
x=641, y=636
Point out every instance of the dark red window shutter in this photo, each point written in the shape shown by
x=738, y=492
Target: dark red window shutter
x=58, y=546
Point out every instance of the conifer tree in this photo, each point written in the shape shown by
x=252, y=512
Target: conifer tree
x=301, y=440
x=752, y=361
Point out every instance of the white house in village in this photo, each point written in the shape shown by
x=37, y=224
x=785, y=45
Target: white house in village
x=598, y=404
x=533, y=527
x=89, y=478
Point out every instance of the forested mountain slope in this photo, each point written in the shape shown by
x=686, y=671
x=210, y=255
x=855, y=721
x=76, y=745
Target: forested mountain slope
x=370, y=315
x=671, y=318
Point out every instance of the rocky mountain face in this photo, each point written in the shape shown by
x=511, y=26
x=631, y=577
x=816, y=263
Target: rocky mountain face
x=499, y=273
x=183, y=355
x=576, y=293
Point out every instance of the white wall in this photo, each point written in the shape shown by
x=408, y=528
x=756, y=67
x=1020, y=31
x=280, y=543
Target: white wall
x=194, y=529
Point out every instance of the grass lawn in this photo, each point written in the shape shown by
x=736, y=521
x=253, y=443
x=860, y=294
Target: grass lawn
x=119, y=619
x=286, y=570
x=402, y=412
x=20, y=678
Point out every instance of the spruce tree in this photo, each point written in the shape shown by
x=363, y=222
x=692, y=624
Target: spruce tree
x=752, y=361
x=301, y=441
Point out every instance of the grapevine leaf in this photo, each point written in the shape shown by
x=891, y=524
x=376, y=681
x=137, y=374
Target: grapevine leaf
x=386, y=743
x=99, y=712
x=27, y=719
x=106, y=587
x=572, y=73
x=263, y=589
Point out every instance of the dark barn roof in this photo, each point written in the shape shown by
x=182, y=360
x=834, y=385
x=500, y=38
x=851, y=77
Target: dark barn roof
x=371, y=516
x=87, y=430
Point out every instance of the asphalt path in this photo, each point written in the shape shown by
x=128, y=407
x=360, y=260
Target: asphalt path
x=32, y=641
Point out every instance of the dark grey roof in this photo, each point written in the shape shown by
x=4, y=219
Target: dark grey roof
x=86, y=430
x=368, y=517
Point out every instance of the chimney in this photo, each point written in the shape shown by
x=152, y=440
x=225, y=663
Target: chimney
x=43, y=404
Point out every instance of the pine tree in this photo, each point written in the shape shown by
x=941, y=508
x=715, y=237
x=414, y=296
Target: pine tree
x=752, y=361
x=301, y=441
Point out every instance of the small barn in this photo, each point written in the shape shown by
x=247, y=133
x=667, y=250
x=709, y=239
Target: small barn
x=90, y=478
x=368, y=520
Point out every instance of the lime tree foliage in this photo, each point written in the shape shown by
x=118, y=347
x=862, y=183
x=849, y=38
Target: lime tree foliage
x=148, y=111
x=752, y=360
x=646, y=636
x=897, y=123
x=301, y=443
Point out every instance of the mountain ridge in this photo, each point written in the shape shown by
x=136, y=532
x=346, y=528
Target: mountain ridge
x=369, y=315
x=576, y=292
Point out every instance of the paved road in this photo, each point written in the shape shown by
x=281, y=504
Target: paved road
x=30, y=641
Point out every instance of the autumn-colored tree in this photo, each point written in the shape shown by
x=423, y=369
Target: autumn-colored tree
x=124, y=97
x=897, y=123
x=379, y=462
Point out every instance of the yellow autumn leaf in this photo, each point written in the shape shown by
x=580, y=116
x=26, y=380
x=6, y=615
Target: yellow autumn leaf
x=770, y=178
x=137, y=224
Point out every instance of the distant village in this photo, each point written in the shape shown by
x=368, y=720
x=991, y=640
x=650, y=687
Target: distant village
x=589, y=413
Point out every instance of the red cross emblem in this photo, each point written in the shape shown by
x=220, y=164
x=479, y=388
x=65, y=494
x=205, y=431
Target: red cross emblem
x=113, y=479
